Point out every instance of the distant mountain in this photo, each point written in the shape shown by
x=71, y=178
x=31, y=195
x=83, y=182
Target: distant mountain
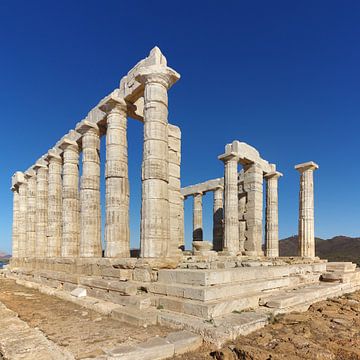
x=338, y=248
x=4, y=255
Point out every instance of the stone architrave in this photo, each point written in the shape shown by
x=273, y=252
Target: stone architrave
x=30, y=176
x=41, y=208
x=117, y=228
x=272, y=218
x=197, y=217
x=218, y=216
x=155, y=214
x=306, y=209
x=253, y=186
x=70, y=244
x=15, y=224
x=231, y=211
x=90, y=211
x=54, y=226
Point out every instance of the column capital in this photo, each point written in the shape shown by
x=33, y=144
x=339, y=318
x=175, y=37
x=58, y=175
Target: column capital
x=42, y=163
x=228, y=157
x=17, y=179
x=273, y=175
x=66, y=142
x=30, y=173
x=84, y=126
x=53, y=154
x=197, y=193
x=219, y=187
x=113, y=103
x=310, y=165
x=157, y=74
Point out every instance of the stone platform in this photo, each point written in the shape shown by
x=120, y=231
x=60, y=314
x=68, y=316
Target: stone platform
x=219, y=297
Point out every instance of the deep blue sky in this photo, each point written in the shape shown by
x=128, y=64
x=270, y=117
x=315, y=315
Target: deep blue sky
x=283, y=76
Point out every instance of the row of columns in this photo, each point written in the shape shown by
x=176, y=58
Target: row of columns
x=53, y=218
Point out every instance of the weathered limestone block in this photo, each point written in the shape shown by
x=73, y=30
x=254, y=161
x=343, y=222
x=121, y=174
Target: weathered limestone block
x=272, y=219
x=155, y=214
x=253, y=185
x=231, y=211
x=41, y=208
x=218, y=216
x=117, y=230
x=197, y=217
x=30, y=176
x=90, y=212
x=54, y=226
x=306, y=209
x=70, y=199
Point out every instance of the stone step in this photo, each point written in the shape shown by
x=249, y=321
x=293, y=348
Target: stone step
x=223, y=276
x=344, y=277
x=135, y=316
x=207, y=293
x=122, y=287
x=341, y=266
x=209, y=309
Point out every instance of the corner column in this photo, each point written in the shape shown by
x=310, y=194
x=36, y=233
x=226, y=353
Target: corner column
x=306, y=209
x=197, y=217
x=117, y=229
x=41, y=208
x=272, y=218
x=70, y=199
x=155, y=214
x=30, y=176
x=218, y=216
x=54, y=227
x=90, y=212
x=15, y=224
x=231, y=211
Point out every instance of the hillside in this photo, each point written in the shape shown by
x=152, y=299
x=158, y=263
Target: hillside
x=4, y=255
x=338, y=248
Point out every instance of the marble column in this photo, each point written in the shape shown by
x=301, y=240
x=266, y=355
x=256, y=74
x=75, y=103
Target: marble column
x=22, y=250
x=70, y=244
x=90, y=210
x=197, y=217
x=218, y=216
x=41, y=208
x=231, y=211
x=253, y=185
x=242, y=222
x=54, y=227
x=30, y=176
x=117, y=228
x=15, y=224
x=272, y=218
x=306, y=209
x=155, y=214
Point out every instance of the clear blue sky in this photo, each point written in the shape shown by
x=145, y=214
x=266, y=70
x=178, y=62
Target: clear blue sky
x=283, y=76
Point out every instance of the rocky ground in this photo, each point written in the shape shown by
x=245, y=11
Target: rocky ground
x=83, y=332
x=328, y=330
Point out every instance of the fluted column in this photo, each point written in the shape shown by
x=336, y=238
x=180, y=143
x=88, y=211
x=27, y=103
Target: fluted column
x=231, y=211
x=70, y=244
x=306, y=209
x=155, y=214
x=41, y=208
x=30, y=176
x=197, y=217
x=90, y=212
x=54, y=227
x=15, y=223
x=117, y=230
x=253, y=185
x=272, y=219
x=242, y=221
x=218, y=215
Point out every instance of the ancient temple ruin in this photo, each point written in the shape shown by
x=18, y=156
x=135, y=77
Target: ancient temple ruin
x=219, y=289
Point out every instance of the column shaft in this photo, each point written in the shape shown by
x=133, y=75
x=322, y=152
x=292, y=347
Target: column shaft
x=31, y=216
x=242, y=222
x=22, y=219
x=218, y=215
x=197, y=218
x=15, y=224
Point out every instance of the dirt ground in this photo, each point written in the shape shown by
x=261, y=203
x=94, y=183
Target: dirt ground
x=83, y=332
x=328, y=330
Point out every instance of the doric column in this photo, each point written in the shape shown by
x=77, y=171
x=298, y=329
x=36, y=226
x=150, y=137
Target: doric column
x=155, y=215
x=253, y=185
x=22, y=217
x=306, y=209
x=181, y=243
x=117, y=230
x=272, y=219
x=41, y=208
x=218, y=215
x=90, y=212
x=15, y=224
x=231, y=211
x=242, y=221
x=30, y=176
x=197, y=217
x=70, y=199
x=54, y=227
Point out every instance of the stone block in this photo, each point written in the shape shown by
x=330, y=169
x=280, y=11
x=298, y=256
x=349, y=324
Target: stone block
x=79, y=292
x=184, y=341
